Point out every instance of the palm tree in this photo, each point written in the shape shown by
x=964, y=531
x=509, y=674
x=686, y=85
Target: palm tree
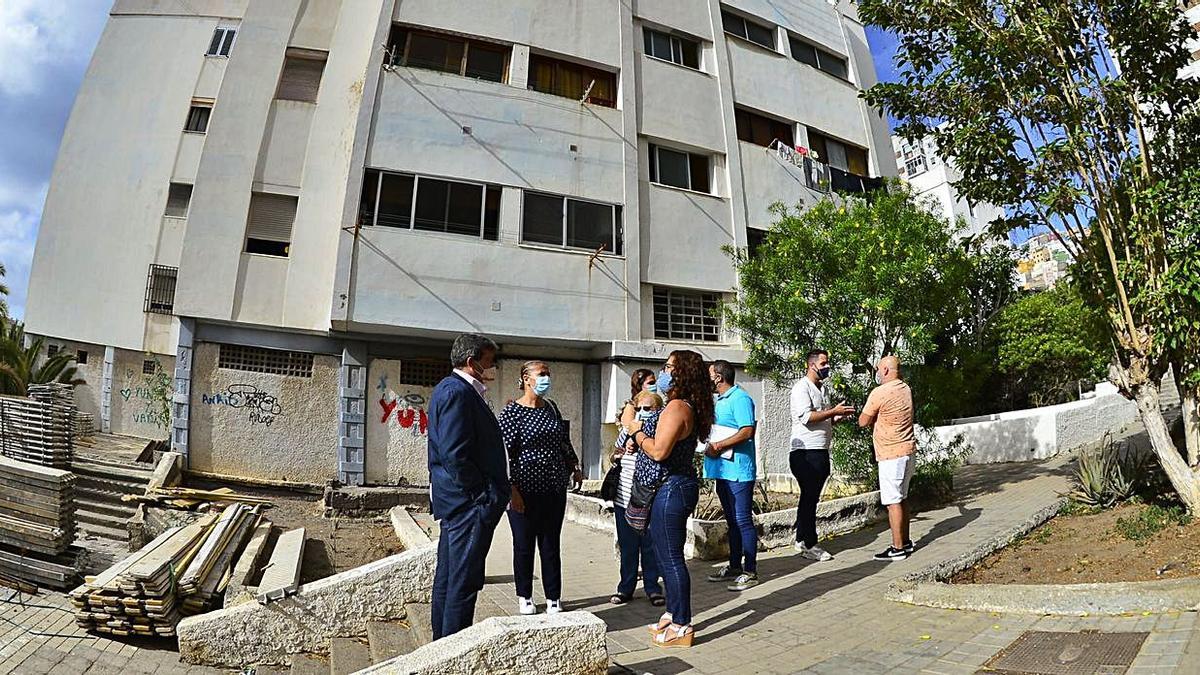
x=3, y=295
x=20, y=367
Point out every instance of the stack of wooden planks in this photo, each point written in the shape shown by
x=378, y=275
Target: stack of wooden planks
x=38, y=429
x=83, y=425
x=179, y=574
x=37, y=523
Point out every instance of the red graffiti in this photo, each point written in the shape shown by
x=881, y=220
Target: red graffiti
x=405, y=416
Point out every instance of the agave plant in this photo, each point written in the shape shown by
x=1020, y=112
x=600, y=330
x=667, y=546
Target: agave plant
x=1109, y=474
x=22, y=365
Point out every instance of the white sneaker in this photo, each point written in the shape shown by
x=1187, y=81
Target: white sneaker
x=526, y=606
x=553, y=606
x=813, y=553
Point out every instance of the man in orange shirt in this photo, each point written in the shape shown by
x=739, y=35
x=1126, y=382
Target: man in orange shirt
x=890, y=409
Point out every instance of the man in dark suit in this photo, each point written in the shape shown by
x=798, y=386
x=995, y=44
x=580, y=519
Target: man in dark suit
x=468, y=477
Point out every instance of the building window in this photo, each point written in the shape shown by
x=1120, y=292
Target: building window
x=430, y=204
x=761, y=130
x=269, y=223
x=197, y=119
x=819, y=58
x=423, y=372
x=149, y=367
x=448, y=54
x=160, y=289
x=685, y=170
x=837, y=154
x=755, y=238
x=748, y=30
x=563, y=78
x=672, y=48
x=81, y=357
x=571, y=223
x=301, y=77
x=179, y=197
x=51, y=350
x=262, y=360
x=686, y=315
x=222, y=42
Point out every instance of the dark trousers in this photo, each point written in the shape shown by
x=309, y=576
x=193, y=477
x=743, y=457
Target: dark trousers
x=811, y=469
x=540, y=524
x=736, y=498
x=462, y=552
x=635, y=548
x=675, y=501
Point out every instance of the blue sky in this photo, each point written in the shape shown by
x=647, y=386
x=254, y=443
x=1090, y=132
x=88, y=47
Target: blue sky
x=45, y=46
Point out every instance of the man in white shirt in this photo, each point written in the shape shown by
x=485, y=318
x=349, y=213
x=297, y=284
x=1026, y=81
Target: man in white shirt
x=812, y=431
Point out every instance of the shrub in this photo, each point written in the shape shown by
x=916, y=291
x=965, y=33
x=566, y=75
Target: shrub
x=1108, y=475
x=1151, y=520
x=933, y=479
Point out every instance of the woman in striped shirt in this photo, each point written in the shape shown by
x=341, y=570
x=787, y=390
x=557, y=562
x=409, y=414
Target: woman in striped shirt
x=634, y=546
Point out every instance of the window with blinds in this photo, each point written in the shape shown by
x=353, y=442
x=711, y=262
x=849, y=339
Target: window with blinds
x=197, y=119
x=301, y=78
x=572, y=80
x=222, y=42
x=686, y=315
x=269, y=223
x=179, y=196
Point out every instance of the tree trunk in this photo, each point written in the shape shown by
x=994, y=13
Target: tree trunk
x=1191, y=425
x=1183, y=479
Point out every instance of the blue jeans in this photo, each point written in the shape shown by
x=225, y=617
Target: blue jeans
x=540, y=525
x=736, y=497
x=675, y=501
x=634, y=546
x=463, y=546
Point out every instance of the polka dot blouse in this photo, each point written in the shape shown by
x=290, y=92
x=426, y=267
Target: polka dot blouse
x=534, y=438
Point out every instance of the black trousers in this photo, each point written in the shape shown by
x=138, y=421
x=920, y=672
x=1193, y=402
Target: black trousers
x=811, y=469
x=540, y=524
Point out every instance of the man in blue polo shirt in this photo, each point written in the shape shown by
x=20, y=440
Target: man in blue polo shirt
x=734, y=476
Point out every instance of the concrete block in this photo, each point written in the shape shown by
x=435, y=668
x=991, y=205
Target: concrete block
x=348, y=655
x=407, y=530
x=356, y=499
x=571, y=642
x=336, y=606
x=247, y=566
x=282, y=575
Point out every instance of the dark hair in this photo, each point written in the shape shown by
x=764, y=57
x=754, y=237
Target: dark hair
x=470, y=346
x=724, y=369
x=812, y=356
x=692, y=384
x=638, y=379
x=525, y=368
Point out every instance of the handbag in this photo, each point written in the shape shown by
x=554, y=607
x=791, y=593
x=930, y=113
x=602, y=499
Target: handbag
x=648, y=477
x=570, y=460
x=612, y=481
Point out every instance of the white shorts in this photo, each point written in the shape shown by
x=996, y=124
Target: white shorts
x=894, y=475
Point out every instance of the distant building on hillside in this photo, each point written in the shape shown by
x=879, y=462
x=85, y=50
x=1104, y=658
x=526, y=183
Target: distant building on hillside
x=920, y=167
x=1047, y=263
x=1192, y=14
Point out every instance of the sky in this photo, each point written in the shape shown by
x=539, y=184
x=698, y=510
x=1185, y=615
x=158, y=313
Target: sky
x=45, y=47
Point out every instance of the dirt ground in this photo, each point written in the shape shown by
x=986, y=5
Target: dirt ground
x=1078, y=549
x=331, y=545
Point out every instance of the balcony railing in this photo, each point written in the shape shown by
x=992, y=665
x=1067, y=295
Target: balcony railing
x=822, y=177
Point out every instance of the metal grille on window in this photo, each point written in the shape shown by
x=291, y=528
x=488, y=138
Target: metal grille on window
x=160, y=289
x=149, y=367
x=262, y=360
x=423, y=372
x=682, y=315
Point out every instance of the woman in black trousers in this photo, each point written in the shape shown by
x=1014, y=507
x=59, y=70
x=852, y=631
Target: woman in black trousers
x=542, y=465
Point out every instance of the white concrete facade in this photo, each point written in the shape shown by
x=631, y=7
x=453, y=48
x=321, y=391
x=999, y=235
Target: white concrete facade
x=336, y=280
x=933, y=178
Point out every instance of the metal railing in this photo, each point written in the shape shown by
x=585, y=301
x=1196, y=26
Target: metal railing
x=822, y=177
x=160, y=289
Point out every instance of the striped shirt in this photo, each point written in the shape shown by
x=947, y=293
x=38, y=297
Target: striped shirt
x=625, y=485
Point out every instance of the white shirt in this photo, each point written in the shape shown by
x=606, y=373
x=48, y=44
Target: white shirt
x=806, y=399
x=479, y=386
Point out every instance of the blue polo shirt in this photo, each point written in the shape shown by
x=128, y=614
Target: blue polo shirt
x=734, y=409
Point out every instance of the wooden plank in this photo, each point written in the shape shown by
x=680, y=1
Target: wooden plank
x=282, y=575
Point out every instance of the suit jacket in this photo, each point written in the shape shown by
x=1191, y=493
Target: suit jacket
x=467, y=462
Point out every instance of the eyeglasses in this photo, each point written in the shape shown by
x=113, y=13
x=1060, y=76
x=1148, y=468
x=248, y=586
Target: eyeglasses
x=645, y=408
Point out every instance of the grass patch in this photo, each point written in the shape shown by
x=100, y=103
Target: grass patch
x=1151, y=520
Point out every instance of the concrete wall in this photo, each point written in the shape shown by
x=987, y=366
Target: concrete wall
x=292, y=437
x=136, y=411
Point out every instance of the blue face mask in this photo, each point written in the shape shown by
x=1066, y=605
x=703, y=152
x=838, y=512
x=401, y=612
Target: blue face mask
x=665, y=382
x=542, y=386
x=652, y=387
x=644, y=415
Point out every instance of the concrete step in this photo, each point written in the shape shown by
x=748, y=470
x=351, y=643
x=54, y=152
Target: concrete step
x=348, y=655
x=111, y=532
x=105, y=503
x=106, y=469
x=307, y=664
x=89, y=517
x=388, y=639
x=94, y=484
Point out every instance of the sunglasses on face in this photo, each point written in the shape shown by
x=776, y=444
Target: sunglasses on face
x=645, y=408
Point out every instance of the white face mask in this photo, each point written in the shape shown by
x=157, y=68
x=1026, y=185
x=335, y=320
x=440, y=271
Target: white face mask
x=489, y=374
x=878, y=377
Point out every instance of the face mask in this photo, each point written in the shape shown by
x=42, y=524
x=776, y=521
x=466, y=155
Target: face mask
x=542, y=385
x=652, y=387
x=644, y=415
x=488, y=374
x=665, y=382
x=878, y=377
x=823, y=373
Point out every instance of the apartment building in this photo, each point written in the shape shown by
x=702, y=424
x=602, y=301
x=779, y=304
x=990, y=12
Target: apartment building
x=931, y=177
x=1192, y=16
x=292, y=207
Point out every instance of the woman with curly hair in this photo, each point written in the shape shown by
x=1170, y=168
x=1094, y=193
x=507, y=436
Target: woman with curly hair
x=668, y=445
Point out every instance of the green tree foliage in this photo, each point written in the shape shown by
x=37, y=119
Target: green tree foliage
x=22, y=365
x=1029, y=101
x=1047, y=343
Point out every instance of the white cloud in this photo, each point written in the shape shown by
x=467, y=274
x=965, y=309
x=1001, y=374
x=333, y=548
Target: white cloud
x=33, y=33
x=18, y=234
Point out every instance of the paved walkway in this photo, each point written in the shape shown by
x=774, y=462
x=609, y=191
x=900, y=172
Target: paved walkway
x=805, y=617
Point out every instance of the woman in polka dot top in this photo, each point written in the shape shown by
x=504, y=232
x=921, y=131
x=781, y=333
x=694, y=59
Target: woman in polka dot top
x=542, y=465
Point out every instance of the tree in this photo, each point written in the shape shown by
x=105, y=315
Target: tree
x=1047, y=342
x=21, y=365
x=1040, y=119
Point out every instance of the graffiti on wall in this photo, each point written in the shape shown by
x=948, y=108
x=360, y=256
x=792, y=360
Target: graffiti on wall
x=263, y=406
x=405, y=411
x=142, y=402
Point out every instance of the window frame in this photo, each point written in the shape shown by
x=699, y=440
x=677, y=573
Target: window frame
x=296, y=54
x=670, y=333
x=287, y=245
x=161, y=283
x=587, y=71
x=198, y=105
x=618, y=229
x=673, y=39
x=412, y=206
x=223, y=46
x=402, y=58
x=187, y=210
x=656, y=172
x=750, y=114
x=745, y=35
